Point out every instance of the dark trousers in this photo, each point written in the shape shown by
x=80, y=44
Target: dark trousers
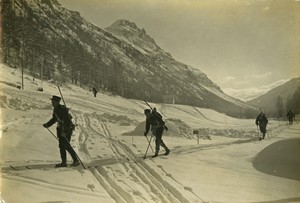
x=64, y=145
x=263, y=129
x=158, y=139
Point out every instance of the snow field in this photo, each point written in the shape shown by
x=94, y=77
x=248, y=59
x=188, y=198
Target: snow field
x=109, y=140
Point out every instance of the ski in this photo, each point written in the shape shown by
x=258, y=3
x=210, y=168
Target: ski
x=13, y=167
x=16, y=168
x=37, y=166
x=25, y=167
x=151, y=156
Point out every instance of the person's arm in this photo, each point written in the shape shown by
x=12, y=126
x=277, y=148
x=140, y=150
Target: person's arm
x=256, y=121
x=50, y=122
x=147, y=127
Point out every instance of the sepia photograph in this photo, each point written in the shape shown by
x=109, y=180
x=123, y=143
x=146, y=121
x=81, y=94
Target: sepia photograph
x=149, y=101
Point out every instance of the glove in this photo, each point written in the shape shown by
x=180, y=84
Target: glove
x=45, y=125
x=145, y=133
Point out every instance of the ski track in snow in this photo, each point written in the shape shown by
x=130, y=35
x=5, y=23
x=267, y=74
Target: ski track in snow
x=139, y=171
x=46, y=184
x=128, y=164
x=143, y=176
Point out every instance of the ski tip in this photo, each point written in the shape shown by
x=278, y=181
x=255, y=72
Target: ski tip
x=12, y=167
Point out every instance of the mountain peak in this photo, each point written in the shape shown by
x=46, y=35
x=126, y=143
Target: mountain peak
x=124, y=23
x=130, y=32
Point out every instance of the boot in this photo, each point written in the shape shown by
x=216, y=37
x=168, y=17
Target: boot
x=165, y=147
x=75, y=163
x=63, y=156
x=167, y=152
x=155, y=155
x=62, y=164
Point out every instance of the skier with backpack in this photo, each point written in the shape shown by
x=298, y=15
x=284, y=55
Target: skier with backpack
x=262, y=122
x=155, y=121
x=64, y=131
x=290, y=116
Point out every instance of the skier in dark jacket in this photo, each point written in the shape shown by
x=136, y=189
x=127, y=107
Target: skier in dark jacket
x=64, y=131
x=290, y=116
x=154, y=120
x=262, y=122
x=94, y=91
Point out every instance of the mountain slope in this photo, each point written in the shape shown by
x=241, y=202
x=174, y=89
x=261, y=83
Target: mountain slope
x=285, y=92
x=53, y=43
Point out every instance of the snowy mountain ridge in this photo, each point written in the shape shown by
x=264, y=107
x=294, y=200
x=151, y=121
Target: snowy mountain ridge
x=53, y=43
x=288, y=96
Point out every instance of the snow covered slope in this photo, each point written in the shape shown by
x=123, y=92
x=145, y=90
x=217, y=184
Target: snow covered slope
x=109, y=140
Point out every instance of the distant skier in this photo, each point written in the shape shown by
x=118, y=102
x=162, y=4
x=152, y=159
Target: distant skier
x=262, y=122
x=95, y=91
x=64, y=131
x=154, y=120
x=290, y=116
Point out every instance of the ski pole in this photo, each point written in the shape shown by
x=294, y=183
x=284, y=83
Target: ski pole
x=148, y=147
x=70, y=146
x=267, y=133
x=52, y=134
x=258, y=132
x=75, y=153
x=149, y=143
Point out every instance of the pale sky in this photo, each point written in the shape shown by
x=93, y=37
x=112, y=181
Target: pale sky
x=239, y=44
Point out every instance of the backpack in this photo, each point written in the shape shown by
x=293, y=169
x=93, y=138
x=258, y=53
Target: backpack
x=158, y=118
x=72, y=125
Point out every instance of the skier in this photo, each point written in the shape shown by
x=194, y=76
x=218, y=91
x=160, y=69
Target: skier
x=64, y=131
x=95, y=91
x=154, y=120
x=290, y=116
x=262, y=122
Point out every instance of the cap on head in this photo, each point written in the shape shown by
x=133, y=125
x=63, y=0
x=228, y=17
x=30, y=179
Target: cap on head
x=55, y=98
x=147, y=111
